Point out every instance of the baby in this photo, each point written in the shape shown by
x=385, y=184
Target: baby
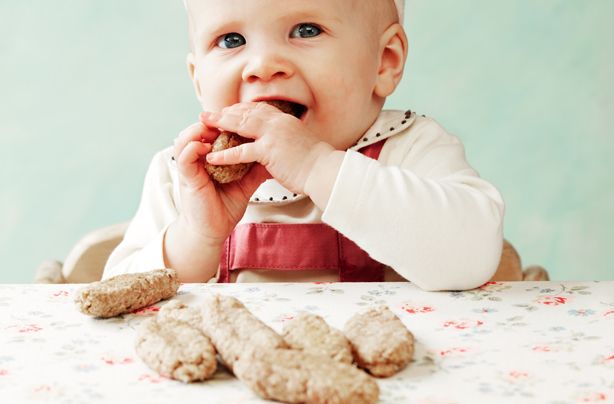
x=343, y=192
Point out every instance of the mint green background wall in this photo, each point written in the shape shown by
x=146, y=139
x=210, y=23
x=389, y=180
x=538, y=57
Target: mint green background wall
x=90, y=89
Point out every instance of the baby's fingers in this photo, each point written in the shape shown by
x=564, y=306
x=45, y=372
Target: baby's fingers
x=248, y=122
x=245, y=153
x=195, y=132
x=190, y=164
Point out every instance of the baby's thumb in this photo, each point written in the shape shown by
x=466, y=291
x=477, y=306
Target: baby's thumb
x=190, y=164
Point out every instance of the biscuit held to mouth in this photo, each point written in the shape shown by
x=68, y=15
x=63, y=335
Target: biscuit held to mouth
x=226, y=140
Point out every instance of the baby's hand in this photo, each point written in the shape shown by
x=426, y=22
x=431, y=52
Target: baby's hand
x=283, y=144
x=209, y=211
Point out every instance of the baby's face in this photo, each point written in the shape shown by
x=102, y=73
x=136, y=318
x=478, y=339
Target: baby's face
x=322, y=54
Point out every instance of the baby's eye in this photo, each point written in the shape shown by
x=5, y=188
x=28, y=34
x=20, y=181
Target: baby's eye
x=305, y=30
x=229, y=41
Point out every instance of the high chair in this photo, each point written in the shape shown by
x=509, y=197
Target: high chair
x=85, y=262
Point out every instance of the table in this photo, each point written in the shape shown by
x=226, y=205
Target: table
x=515, y=342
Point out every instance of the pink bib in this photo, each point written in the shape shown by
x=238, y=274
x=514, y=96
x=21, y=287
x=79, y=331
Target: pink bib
x=296, y=247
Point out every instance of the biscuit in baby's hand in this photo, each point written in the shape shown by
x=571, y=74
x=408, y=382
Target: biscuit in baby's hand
x=380, y=342
x=226, y=140
x=174, y=348
x=234, y=330
x=125, y=293
x=300, y=377
x=229, y=173
x=310, y=333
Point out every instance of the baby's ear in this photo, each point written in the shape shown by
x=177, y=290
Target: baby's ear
x=191, y=65
x=392, y=53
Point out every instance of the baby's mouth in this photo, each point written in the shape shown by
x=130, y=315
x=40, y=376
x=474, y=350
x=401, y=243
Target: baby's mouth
x=293, y=108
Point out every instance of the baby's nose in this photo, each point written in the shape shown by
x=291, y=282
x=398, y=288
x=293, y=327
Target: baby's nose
x=267, y=66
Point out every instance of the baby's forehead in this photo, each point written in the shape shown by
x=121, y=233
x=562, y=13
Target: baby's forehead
x=372, y=4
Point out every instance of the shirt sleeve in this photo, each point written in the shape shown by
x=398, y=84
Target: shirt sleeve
x=423, y=211
x=141, y=249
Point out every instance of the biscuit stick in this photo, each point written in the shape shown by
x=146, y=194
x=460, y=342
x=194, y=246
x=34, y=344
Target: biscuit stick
x=125, y=293
x=380, y=342
x=175, y=349
x=299, y=377
x=310, y=333
x=235, y=331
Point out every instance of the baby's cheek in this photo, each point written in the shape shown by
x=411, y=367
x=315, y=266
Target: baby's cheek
x=346, y=97
x=218, y=89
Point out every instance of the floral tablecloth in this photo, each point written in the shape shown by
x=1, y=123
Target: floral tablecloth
x=539, y=342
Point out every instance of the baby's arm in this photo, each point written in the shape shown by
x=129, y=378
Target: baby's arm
x=427, y=214
x=208, y=212
x=184, y=226
x=156, y=239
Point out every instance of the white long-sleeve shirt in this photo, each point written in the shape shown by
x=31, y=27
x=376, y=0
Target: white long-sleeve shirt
x=420, y=209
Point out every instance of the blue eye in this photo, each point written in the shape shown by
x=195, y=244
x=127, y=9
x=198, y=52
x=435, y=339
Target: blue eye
x=306, y=30
x=230, y=41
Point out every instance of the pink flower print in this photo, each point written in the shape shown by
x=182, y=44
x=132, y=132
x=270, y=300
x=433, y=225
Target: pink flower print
x=592, y=397
x=28, y=328
x=463, y=325
x=285, y=317
x=112, y=361
x=25, y=328
x=516, y=376
x=42, y=387
x=145, y=311
x=490, y=287
x=416, y=309
x=61, y=293
x=542, y=348
x=552, y=300
x=485, y=310
x=154, y=379
x=607, y=313
x=4, y=372
x=487, y=284
x=453, y=351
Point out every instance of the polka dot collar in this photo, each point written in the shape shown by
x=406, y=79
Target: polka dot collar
x=389, y=123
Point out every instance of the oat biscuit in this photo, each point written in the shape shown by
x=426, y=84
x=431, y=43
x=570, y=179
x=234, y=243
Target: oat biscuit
x=299, y=377
x=380, y=342
x=178, y=311
x=226, y=140
x=125, y=293
x=310, y=333
x=234, y=330
x=175, y=349
x=229, y=173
